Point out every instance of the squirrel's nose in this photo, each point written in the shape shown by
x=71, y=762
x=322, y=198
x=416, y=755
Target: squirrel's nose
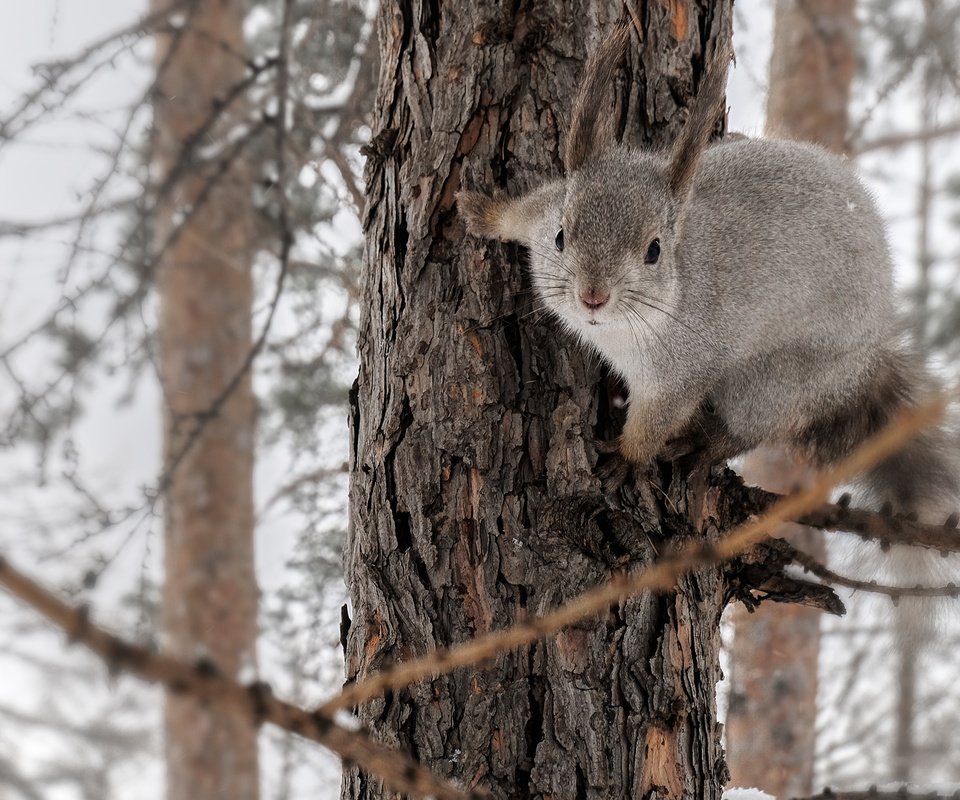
x=594, y=299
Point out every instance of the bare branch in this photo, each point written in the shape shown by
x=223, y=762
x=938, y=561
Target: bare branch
x=810, y=564
x=204, y=682
x=312, y=477
x=877, y=526
x=11, y=776
x=892, y=141
x=25, y=228
x=876, y=794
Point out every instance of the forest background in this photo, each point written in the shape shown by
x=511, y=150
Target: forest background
x=82, y=458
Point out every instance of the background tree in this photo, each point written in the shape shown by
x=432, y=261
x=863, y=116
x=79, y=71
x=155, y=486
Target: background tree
x=884, y=700
x=211, y=200
x=205, y=285
x=78, y=355
x=772, y=715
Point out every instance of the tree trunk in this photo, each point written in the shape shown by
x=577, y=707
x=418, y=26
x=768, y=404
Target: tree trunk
x=771, y=724
x=811, y=71
x=473, y=497
x=204, y=281
x=772, y=715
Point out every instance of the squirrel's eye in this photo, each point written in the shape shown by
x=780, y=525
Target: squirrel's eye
x=653, y=252
x=559, y=240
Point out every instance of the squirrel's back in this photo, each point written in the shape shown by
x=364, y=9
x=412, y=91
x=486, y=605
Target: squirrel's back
x=796, y=241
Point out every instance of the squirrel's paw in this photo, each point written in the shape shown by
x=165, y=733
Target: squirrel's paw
x=615, y=473
x=606, y=447
x=636, y=451
x=621, y=468
x=626, y=448
x=681, y=446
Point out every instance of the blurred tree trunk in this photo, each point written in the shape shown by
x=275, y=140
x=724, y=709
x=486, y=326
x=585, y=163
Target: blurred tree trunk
x=771, y=724
x=204, y=281
x=473, y=498
x=911, y=638
x=811, y=71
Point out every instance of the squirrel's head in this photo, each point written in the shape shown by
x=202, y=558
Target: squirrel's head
x=603, y=241
x=601, y=250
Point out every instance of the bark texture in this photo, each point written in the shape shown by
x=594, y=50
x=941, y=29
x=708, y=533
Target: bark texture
x=204, y=281
x=473, y=496
x=771, y=723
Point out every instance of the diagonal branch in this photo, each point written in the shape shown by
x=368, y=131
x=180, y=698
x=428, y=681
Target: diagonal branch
x=202, y=681
x=660, y=576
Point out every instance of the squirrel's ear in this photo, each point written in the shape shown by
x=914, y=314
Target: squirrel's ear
x=586, y=131
x=486, y=217
x=695, y=136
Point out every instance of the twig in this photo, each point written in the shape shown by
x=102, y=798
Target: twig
x=876, y=794
x=202, y=681
x=895, y=140
x=57, y=70
x=662, y=575
x=810, y=564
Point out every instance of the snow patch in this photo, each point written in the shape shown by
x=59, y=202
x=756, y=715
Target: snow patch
x=746, y=794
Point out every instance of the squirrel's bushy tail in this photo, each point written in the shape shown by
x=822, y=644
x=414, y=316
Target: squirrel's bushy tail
x=921, y=481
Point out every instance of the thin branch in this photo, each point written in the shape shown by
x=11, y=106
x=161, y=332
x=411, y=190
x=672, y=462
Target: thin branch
x=11, y=777
x=902, y=138
x=103, y=279
x=908, y=63
x=336, y=155
x=25, y=228
x=57, y=70
x=878, y=526
x=659, y=576
x=810, y=564
x=202, y=681
x=876, y=794
x=314, y=476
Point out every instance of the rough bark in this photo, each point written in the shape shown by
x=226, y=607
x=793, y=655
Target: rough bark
x=473, y=496
x=771, y=724
x=204, y=282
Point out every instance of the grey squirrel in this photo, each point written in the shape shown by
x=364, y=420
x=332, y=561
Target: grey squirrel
x=751, y=278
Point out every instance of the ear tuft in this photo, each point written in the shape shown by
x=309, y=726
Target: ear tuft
x=587, y=130
x=706, y=109
x=483, y=215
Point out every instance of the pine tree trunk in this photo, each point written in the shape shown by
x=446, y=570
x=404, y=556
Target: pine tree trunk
x=204, y=281
x=772, y=716
x=771, y=724
x=811, y=71
x=473, y=497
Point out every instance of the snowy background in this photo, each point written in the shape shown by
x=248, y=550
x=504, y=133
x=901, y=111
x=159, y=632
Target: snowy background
x=60, y=719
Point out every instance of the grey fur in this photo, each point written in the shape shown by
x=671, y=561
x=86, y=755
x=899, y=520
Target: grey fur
x=771, y=301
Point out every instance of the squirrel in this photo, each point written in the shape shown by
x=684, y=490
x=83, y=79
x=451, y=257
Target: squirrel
x=743, y=289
